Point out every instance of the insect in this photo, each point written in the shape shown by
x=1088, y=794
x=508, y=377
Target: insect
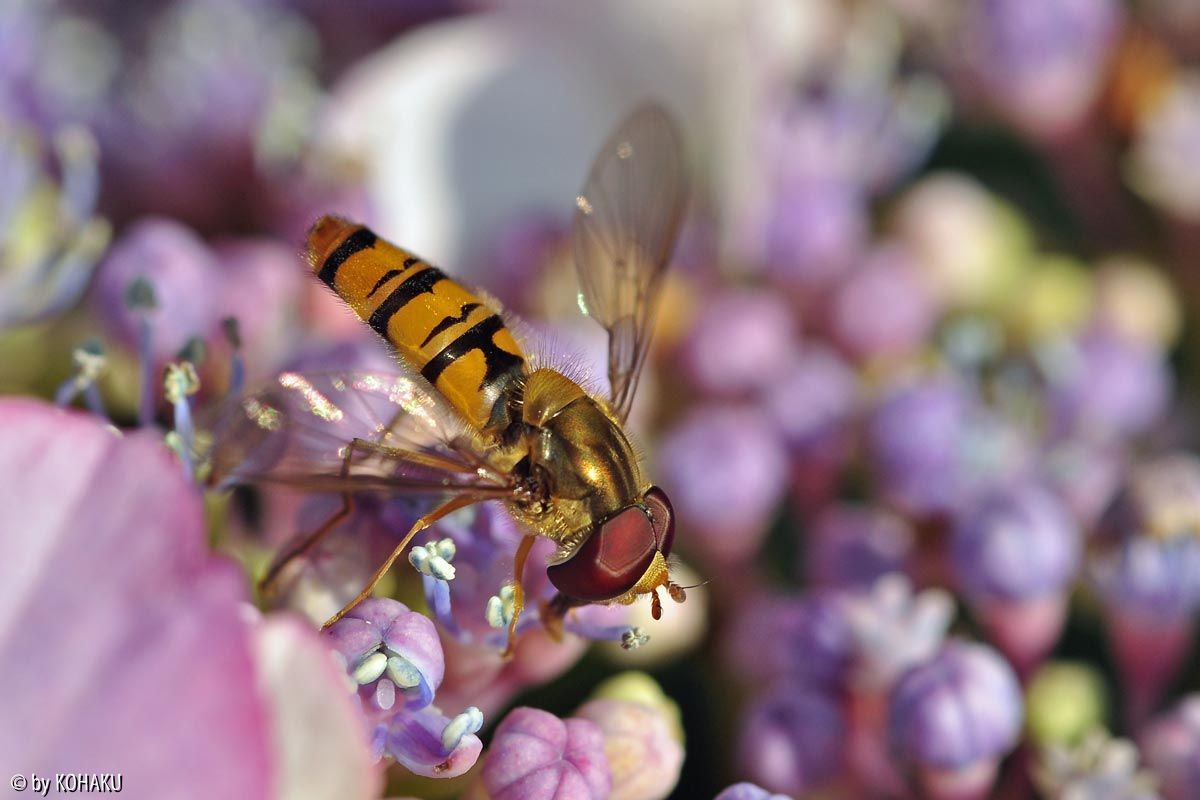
x=467, y=418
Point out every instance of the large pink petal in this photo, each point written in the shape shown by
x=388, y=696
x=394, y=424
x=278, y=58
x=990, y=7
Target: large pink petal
x=121, y=645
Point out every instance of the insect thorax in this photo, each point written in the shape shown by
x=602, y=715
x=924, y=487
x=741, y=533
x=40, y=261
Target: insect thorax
x=581, y=455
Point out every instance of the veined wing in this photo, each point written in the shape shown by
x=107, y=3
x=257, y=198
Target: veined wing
x=626, y=221
x=350, y=431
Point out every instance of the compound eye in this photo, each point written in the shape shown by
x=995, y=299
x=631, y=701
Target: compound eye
x=611, y=561
x=662, y=517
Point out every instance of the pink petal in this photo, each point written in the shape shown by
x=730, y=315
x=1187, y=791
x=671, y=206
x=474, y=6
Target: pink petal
x=320, y=742
x=121, y=644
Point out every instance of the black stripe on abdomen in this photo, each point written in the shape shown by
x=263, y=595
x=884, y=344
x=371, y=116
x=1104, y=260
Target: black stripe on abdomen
x=391, y=273
x=358, y=241
x=478, y=337
x=450, y=322
x=402, y=295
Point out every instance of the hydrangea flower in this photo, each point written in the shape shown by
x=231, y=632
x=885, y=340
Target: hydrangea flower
x=853, y=546
x=103, y=543
x=725, y=469
x=395, y=659
x=739, y=343
x=50, y=238
x=747, y=791
x=537, y=756
x=1098, y=767
x=792, y=738
x=1015, y=552
x=1041, y=64
x=955, y=717
x=1170, y=745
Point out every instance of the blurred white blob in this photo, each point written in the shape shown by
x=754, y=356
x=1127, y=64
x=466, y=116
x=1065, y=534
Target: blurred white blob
x=463, y=125
x=1164, y=163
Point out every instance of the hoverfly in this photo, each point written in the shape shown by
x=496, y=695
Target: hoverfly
x=467, y=418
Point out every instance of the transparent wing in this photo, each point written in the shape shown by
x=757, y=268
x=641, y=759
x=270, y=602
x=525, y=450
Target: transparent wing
x=626, y=221
x=351, y=431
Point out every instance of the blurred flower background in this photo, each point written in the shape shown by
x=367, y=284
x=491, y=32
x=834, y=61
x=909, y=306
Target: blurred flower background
x=922, y=394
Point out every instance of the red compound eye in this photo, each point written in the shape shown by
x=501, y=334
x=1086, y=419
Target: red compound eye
x=612, y=559
x=662, y=518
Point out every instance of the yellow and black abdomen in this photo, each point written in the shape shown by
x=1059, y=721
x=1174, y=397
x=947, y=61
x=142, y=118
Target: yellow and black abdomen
x=450, y=335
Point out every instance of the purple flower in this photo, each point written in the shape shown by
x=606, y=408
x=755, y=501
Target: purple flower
x=49, y=238
x=961, y=708
x=725, y=469
x=747, y=791
x=1171, y=747
x=814, y=231
x=537, y=756
x=823, y=151
x=1160, y=500
x=1084, y=475
x=395, y=658
x=915, y=435
x=1042, y=63
x=1098, y=767
x=1154, y=578
x=183, y=273
x=1106, y=387
x=1015, y=544
x=389, y=651
x=743, y=338
x=427, y=743
x=882, y=309
x=813, y=400
x=934, y=447
x=109, y=594
x=853, y=546
x=792, y=739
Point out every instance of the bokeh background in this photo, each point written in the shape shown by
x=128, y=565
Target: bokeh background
x=922, y=389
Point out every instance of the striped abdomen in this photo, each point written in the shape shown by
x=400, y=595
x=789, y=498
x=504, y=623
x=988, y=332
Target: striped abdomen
x=440, y=328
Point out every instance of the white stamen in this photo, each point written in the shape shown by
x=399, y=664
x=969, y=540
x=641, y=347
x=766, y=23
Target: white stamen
x=494, y=613
x=403, y=673
x=469, y=721
x=369, y=669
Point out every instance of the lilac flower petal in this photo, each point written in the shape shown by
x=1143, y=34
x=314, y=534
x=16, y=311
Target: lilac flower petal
x=414, y=739
x=725, y=469
x=793, y=738
x=184, y=274
x=103, y=545
x=748, y=791
x=415, y=638
x=741, y=340
x=962, y=708
x=1015, y=544
x=354, y=638
x=854, y=546
x=536, y=756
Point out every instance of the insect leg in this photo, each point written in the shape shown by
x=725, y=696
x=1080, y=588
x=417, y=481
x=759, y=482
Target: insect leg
x=518, y=591
x=306, y=543
x=299, y=548
x=449, y=507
